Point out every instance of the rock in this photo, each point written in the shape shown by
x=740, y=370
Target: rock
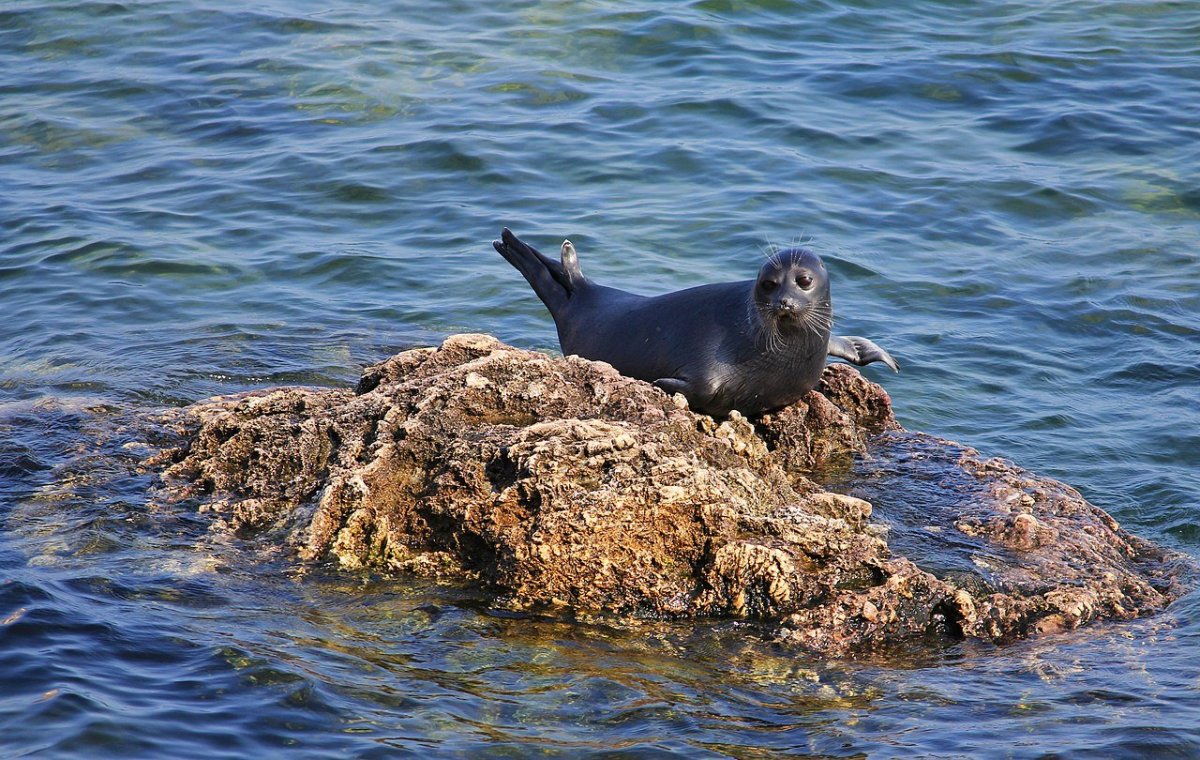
x=556, y=482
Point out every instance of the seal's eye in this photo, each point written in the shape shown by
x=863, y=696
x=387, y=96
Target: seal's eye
x=804, y=281
x=768, y=285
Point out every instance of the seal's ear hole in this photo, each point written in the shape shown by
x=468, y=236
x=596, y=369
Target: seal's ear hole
x=768, y=285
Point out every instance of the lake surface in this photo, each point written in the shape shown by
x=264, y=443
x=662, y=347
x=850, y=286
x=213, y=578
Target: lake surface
x=208, y=197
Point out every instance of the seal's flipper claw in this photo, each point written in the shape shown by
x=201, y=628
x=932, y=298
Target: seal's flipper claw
x=859, y=351
x=888, y=360
x=508, y=237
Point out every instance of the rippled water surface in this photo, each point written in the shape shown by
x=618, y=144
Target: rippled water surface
x=201, y=198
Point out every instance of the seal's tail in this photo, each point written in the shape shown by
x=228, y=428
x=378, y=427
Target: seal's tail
x=553, y=282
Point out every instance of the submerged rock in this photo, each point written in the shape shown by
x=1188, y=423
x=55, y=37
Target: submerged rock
x=558, y=483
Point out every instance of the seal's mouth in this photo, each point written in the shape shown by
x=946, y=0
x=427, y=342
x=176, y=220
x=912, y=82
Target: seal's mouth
x=786, y=313
x=793, y=318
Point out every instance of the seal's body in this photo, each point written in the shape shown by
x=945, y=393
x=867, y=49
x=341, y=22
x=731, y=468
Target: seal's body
x=753, y=346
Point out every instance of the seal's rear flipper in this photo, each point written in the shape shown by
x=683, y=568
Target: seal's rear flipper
x=547, y=277
x=859, y=351
x=570, y=265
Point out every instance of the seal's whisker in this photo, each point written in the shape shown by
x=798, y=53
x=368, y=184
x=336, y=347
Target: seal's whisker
x=776, y=249
x=817, y=318
x=770, y=248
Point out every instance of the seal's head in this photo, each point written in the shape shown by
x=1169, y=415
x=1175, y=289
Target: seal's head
x=791, y=295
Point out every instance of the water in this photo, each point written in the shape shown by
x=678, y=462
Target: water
x=202, y=198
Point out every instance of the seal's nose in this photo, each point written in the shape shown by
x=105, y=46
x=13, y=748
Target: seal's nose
x=788, y=305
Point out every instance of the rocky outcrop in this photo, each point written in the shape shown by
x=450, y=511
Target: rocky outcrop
x=558, y=483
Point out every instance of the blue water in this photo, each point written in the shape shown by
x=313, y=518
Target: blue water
x=202, y=198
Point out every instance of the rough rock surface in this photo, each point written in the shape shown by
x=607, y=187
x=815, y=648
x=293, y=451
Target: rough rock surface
x=558, y=483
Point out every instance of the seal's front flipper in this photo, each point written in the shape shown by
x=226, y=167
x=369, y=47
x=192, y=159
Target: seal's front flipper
x=859, y=351
x=673, y=385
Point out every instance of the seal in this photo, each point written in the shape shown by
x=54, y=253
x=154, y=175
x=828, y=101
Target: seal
x=753, y=345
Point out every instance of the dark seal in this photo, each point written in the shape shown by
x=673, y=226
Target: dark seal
x=754, y=346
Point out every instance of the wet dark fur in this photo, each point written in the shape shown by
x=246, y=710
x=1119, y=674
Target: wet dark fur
x=754, y=345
